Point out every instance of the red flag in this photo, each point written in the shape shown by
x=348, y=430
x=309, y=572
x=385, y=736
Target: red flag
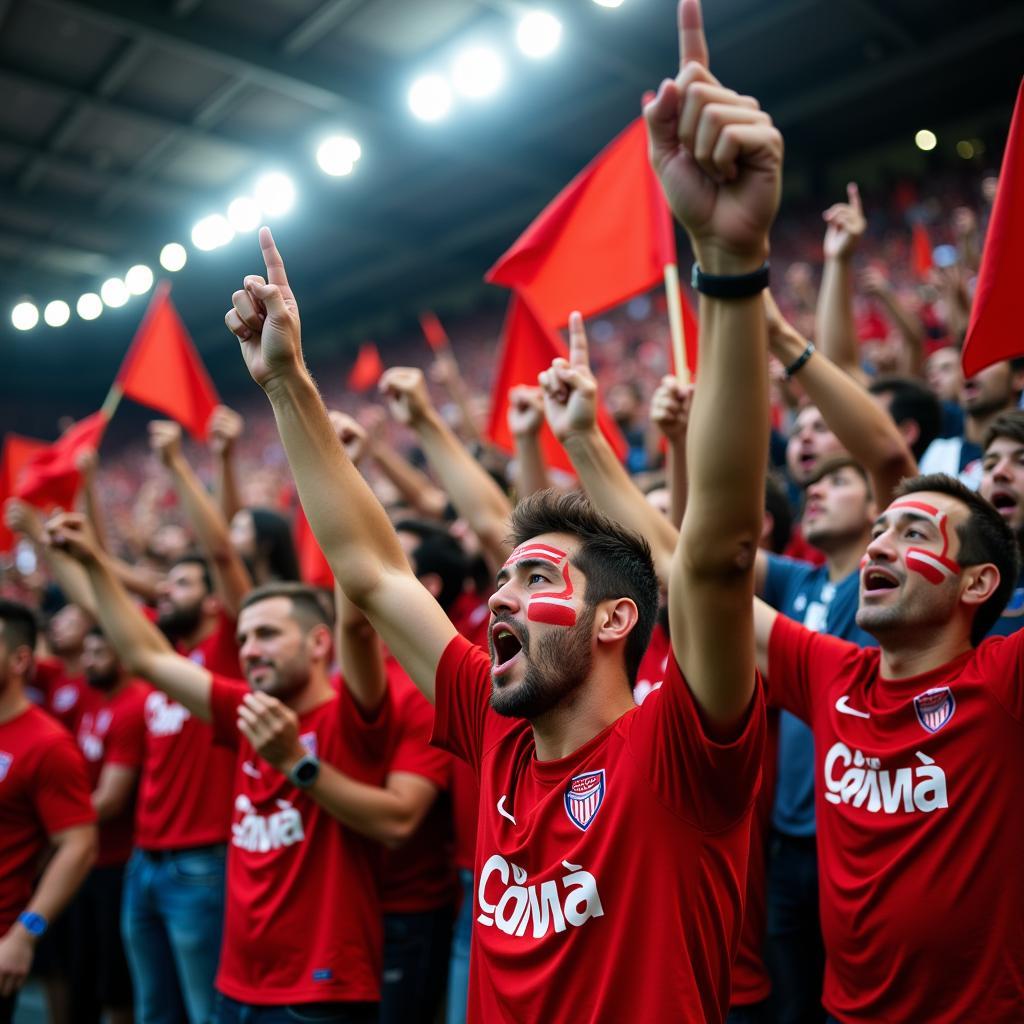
x=527, y=348
x=313, y=566
x=690, y=328
x=436, y=335
x=162, y=368
x=921, y=251
x=606, y=237
x=50, y=476
x=17, y=452
x=367, y=368
x=994, y=330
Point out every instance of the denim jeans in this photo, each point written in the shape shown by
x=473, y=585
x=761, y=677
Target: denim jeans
x=458, y=965
x=417, y=948
x=230, y=1011
x=172, y=916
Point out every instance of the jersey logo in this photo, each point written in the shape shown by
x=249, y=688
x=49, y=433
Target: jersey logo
x=935, y=707
x=843, y=707
x=502, y=811
x=583, y=798
x=6, y=760
x=308, y=741
x=64, y=698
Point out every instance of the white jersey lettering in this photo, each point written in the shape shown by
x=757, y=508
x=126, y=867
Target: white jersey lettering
x=865, y=783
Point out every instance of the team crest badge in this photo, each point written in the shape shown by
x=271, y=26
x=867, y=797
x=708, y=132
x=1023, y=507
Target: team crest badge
x=308, y=740
x=935, y=707
x=583, y=797
x=6, y=760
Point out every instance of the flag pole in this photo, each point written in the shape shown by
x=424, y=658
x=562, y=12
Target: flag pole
x=675, y=322
x=112, y=401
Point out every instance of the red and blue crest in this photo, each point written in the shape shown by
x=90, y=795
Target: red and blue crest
x=583, y=798
x=935, y=707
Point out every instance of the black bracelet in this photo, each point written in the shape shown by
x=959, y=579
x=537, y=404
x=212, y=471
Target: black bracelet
x=800, y=362
x=730, y=286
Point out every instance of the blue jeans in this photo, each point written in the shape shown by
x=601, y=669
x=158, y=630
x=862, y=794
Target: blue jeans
x=171, y=921
x=230, y=1011
x=458, y=965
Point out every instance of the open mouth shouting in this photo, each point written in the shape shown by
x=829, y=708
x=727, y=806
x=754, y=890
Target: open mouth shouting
x=506, y=647
x=1005, y=501
x=875, y=580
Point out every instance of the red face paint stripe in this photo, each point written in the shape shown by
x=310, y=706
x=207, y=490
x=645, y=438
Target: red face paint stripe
x=920, y=506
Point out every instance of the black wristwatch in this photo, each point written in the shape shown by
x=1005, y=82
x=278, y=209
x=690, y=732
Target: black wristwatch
x=730, y=286
x=305, y=771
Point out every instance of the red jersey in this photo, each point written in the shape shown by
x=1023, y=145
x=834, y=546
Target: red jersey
x=55, y=691
x=185, y=792
x=419, y=875
x=919, y=826
x=301, y=916
x=637, y=840
x=44, y=789
x=112, y=730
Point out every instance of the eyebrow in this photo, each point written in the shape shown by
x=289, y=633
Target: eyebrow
x=525, y=563
x=905, y=514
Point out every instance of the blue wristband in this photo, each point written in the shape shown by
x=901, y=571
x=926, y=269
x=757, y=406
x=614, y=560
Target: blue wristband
x=34, y=924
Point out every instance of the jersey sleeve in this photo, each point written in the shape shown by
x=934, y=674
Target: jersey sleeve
x=126, y=741
x=462, y=690
x=708, y=783
x=225, y=696
x=369, y=734
x=1002, y=661
x=61, y=794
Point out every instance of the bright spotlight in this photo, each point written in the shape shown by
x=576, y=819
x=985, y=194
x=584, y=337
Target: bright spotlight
x=430, y=98
x=25, y=316
x=608, y=3
x=337, y=155
x=478, y=72
x=926, y=140
x=173, y=256
x=539, y=34
x=89, y=306
x=244, y=214
x=114, y=292
x=57, y=313
x=212, y=232
x=275, y=194
x=139, y=279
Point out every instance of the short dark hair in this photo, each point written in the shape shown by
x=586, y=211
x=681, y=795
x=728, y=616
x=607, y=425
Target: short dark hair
x=776, y=503
x=616, y=561
x=984, y=538
x=911, y=400
x=311, y=606
x=194, y=558
x=19, y=625
x=438, y=552
x=1009, y=425
x=832, y=463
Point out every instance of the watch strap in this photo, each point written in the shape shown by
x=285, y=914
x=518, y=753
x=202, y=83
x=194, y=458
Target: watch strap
x=730, y=286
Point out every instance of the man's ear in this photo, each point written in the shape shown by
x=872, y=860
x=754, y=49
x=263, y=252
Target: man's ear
x=321, y=641
x=21, y=662
x=980, y=582
x=910, y=430
x=616, y=619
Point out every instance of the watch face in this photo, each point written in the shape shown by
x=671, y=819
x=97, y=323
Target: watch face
x=307, y=772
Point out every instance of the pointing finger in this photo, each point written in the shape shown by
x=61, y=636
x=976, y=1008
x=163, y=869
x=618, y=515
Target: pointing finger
x=272, y=258
x=692, y=44
x=853, y=194
x=578, y=354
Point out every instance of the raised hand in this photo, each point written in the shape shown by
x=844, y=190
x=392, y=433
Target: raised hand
x=718, y=157
x=165, y=440
x=670, y=408
x=351, y=434
x=272, y=729
x=569, y=386
x=405, y=392
x=846, y=225
x=873, y=281
x=264, y=317
x=87, y=462
x=226, y=428
x=21, y=517
x=525, y=410
x=70, y=532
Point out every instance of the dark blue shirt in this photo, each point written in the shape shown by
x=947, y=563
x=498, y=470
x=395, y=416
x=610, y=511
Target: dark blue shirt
x=1013, y=614
x=803, y=592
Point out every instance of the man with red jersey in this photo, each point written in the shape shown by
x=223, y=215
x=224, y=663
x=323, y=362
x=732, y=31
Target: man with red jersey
x=302, y=925
x=44, y=799
x=603, y=826
x=918, y=746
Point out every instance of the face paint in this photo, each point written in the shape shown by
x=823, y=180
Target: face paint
x=551, y=609
x=935, y=568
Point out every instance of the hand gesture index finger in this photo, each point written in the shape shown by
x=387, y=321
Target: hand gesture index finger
x=570, y=388
x=693, y=47
x=579, y=354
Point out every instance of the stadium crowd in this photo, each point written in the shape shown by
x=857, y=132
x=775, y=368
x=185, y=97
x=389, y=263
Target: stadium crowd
x=799, y=761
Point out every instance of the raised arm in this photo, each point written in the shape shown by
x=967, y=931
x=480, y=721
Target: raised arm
x=348, y=522
x=359, y=654
x=445, y=371
x=876, y=284
x=473, y=492
x=719, y=160
x=670, y=411
x=525, y=418
x=226, y=428
x=862, y=426
x=140, y=646
x=230, y=577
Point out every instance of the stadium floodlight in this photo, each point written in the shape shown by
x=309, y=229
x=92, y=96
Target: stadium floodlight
x=608, y=3
x=173, y=256
x=25, y=316
x=57, y=313
x=212, y=232
x=539, y=34
x=337, y=155
x=139, y=279
x=430, y=97
x=89, y=306
x=244, y=214
x=478, y=72
x=926, y=140
x=275, y=194
x=114, y=292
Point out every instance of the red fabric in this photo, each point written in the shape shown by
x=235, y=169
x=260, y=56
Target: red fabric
x=50, y=477
x=527, y=348
x=561, y=910
x=690, y=328
x=921, y=251
x=163, y=370
x=112, y=730
x=301, y=915
x=919, y=831
x=44, y=789
x=367, y=368
x=433, y=331
x=604, y=238
x=313, y=566
x=994, y=330
x=17, y=451
x=801, y=549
